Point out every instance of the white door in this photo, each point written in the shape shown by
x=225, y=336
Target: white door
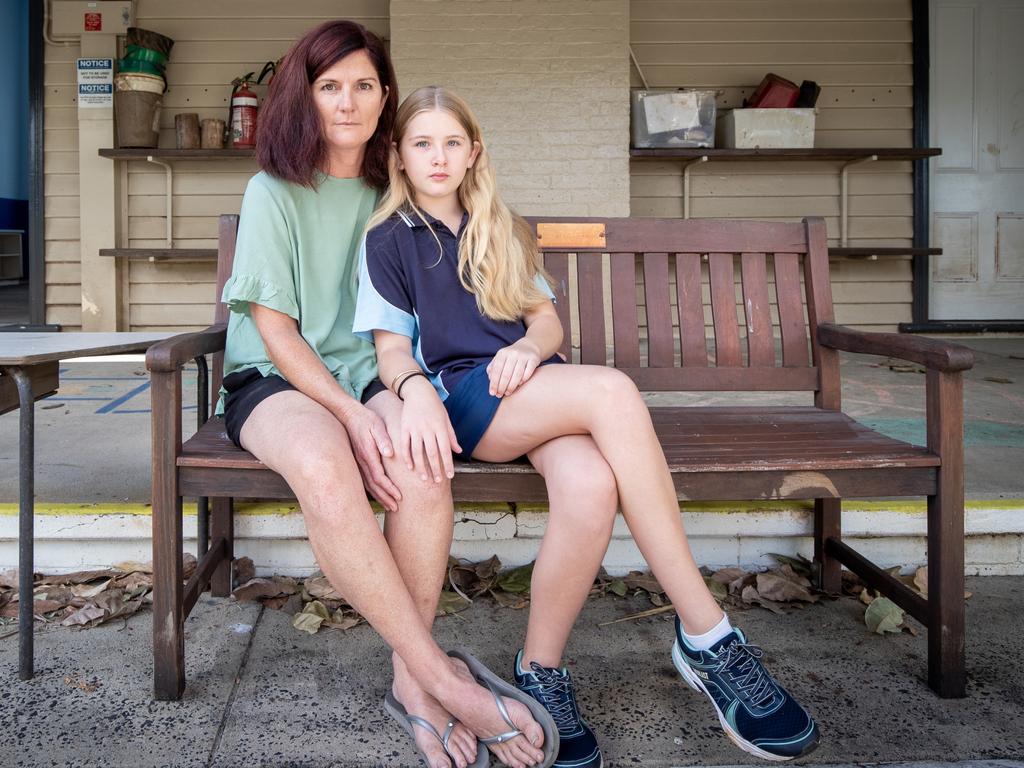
x=977, y=118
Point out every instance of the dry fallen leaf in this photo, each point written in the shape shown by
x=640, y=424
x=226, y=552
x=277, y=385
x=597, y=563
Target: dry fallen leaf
x=751, y=596
x=644, y=581
x=258, y=589
x=779, y=588
x=883, y=615
x=83, y=616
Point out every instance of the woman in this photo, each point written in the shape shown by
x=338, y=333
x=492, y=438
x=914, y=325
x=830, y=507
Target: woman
x=301, y=395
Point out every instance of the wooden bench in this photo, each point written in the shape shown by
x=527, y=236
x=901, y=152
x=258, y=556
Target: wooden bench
x=715, y=453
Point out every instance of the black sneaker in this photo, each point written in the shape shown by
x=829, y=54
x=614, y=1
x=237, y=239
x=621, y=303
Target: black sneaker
x=553, y=689
x=757, y=713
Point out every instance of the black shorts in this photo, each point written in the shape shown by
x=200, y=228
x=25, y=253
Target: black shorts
x=248, y=388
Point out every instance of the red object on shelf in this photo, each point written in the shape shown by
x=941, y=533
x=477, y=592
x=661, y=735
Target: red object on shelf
x=774, y=91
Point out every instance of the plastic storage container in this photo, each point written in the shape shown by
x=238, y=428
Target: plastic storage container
x=767, y=129
x=664, y=119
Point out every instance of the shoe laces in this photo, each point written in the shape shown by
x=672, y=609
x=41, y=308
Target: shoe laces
x=743, y=666
x=557, y=696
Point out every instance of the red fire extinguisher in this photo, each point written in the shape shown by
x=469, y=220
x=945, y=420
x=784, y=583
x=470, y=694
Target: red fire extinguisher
x=243, y=116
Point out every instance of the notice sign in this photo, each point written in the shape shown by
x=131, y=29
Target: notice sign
x=95, y=83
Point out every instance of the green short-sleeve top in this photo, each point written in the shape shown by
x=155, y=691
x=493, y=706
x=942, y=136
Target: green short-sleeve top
x=298, y=252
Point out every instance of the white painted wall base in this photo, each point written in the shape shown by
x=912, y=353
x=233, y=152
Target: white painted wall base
x=274, y=536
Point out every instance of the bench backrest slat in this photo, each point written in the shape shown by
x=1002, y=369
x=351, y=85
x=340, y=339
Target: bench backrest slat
x=757, y=308
x=792, y=326
x=590, y=295
x=626, y=329
x=723, y=310
x=660, y=339
x=693, y=344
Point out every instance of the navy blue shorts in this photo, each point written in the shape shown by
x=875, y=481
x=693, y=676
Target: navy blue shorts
x=471, y=408
x=247, y=388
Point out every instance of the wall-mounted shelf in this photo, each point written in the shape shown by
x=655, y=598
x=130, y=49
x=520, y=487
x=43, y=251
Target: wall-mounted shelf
x=815, y=153
x=159, y=156
x=848, y=157
x=177, y=154
x=179, y=255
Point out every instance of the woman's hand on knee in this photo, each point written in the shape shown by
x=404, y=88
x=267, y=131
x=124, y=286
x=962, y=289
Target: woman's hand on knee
x=370, y=440
x=426, y=439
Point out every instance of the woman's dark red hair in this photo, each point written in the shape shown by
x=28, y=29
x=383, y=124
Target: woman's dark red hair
x=290, y=141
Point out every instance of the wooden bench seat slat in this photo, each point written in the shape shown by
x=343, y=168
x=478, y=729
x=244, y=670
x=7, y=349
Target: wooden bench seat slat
x=792, y=328
x=660, y=341
x=757, y=310
x=626, y=329
x=693, y=341
x=590, y=297
x=723, y=310
x=812, y=439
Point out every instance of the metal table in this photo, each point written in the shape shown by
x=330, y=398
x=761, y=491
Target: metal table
x=29, y=365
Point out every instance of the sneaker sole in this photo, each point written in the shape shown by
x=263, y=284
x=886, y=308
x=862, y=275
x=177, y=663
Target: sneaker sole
x=697, y=684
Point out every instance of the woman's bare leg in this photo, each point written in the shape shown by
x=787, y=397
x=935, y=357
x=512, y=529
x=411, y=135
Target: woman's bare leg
x=298, y=438
x=604, y=403
x=583, y=499
x=419, y=536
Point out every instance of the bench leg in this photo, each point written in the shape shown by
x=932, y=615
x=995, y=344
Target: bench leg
x=827, y=525
x=168, y=545
x=223, y=526
x=946, y=666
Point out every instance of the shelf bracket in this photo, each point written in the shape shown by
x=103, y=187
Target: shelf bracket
x=686, y=183
x=844, y=198
x=170, y=196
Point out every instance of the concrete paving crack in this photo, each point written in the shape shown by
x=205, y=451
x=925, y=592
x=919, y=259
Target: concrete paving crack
x=234, y=690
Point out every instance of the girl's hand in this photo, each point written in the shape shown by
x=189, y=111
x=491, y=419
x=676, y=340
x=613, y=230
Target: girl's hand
x=427, y=439
x=512, y=366
x=370, y=441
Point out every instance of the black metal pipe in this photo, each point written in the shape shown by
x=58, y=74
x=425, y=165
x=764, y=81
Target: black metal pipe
x=36, y=255
x=920, y=268
x=26, y=499
x=202, y=414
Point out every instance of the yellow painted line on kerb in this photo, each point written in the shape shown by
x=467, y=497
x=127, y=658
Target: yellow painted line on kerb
x=272, y=508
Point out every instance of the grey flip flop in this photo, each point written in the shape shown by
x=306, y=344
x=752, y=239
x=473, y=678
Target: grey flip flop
x=499, y=688
x=397, y=711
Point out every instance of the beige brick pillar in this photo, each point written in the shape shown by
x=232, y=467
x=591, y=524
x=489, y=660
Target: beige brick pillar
x=549, y=82
x=98, y=204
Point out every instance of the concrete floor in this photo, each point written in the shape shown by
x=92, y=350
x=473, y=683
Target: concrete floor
x=260, y=693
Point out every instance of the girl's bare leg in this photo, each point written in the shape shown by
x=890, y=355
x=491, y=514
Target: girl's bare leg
x=583, y=499
x=299, y=439
x=605, y=404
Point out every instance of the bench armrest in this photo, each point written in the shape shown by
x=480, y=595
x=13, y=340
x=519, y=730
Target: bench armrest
x=171, y=354
x=931, y=353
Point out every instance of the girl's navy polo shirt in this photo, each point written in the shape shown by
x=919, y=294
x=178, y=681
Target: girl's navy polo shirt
x=406, y=286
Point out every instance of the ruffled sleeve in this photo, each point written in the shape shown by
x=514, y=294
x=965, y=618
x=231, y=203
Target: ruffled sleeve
x=264, y=268
x=241, y=290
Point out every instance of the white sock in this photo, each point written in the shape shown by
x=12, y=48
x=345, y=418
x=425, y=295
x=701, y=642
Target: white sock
x=703, y=642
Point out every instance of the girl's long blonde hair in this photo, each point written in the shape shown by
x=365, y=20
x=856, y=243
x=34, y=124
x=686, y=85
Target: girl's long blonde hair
x=498, y=255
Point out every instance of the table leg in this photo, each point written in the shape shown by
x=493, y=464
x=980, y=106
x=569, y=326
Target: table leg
x=26, y=499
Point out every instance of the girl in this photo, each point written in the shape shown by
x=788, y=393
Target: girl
x=454, y=295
